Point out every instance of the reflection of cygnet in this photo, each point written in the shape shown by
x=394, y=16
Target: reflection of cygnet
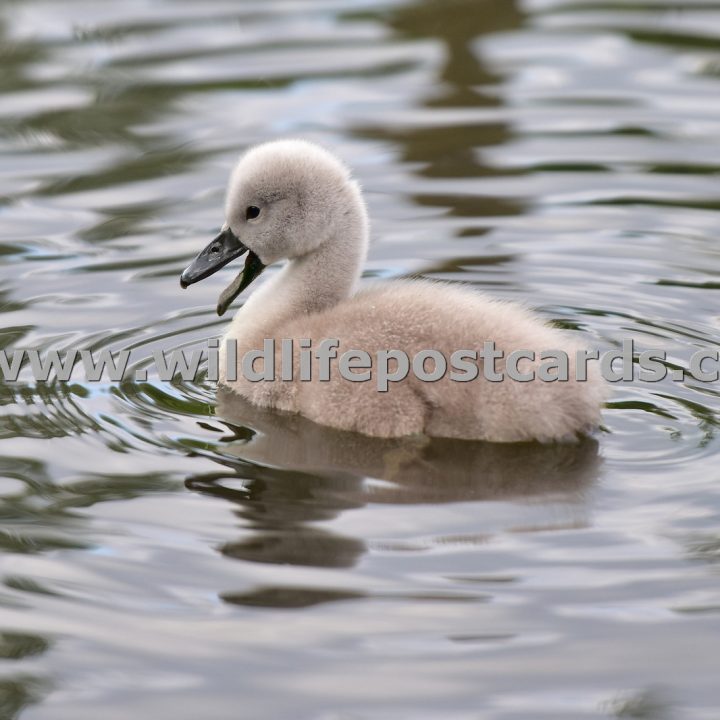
x=291, y=200
x=287, y=452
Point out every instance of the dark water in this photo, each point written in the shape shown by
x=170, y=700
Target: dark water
x=159, y=559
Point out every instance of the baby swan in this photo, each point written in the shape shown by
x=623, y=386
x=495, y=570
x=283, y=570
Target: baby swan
x=292, y=200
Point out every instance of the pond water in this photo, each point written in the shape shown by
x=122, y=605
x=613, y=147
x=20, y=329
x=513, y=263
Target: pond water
x=164, y=557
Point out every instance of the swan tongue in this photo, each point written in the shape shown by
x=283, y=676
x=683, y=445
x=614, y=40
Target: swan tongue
x=253, y=267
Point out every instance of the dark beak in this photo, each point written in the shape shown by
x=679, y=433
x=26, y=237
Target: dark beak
x=224, y=248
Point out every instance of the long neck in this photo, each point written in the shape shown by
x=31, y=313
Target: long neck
x=308, y=284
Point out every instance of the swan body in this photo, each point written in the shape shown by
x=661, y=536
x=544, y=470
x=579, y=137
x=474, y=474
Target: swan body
x=292, y=200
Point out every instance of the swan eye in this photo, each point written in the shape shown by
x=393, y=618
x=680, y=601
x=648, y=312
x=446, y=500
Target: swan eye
x=252, y=212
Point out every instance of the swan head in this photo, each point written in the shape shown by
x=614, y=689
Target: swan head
x=285, y=199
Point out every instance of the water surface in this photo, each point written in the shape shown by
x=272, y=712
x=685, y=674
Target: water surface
x=167, y=554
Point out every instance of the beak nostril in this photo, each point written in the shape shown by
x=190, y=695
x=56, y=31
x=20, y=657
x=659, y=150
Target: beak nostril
x=215, y=255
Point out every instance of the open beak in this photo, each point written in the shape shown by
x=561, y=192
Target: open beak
x=222, y=250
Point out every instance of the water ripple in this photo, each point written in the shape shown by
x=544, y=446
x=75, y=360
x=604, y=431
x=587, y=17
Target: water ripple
x=558, y=152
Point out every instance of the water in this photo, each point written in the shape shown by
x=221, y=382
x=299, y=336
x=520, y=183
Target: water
x=161, y=559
